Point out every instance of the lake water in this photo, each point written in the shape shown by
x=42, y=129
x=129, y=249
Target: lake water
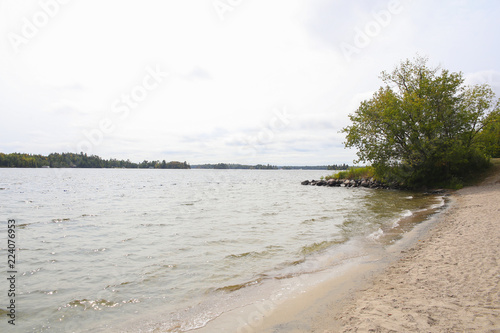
x=170, y=250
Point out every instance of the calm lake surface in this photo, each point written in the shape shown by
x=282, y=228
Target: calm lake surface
x=170, y=250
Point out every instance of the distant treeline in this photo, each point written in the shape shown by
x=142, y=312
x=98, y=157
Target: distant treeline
x=235, y=166
x=71, y=160
x=269, y=167
x=317, y=167
x=338, y=167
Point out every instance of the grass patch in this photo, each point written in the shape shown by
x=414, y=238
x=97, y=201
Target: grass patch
x=354, y=173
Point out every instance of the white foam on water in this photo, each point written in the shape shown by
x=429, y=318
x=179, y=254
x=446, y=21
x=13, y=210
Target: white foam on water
x=376, y=235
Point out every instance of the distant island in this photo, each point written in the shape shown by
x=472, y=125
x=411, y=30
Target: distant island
x=72, y=160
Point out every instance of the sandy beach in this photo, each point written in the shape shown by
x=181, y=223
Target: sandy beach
x=448, y=282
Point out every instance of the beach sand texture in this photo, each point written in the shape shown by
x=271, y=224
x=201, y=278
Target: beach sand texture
x=448, y=282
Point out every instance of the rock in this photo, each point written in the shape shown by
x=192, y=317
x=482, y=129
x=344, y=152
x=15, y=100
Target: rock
x=367, y=183
x=437, y=191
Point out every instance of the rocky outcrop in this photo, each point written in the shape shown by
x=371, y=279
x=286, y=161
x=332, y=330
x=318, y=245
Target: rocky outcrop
x=367, y=183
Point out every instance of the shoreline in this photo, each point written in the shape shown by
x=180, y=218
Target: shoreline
x=443, y=276
x=449, y=281
x=292, y=302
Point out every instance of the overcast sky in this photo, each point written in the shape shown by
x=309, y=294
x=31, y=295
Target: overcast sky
x=204, y=81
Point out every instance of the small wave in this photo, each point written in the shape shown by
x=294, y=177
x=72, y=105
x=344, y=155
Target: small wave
x=239, y=286
x=286, y=276
x=288, y=264
x=125, y=283
x=270, y=214
x=154, y=225
x=376, y=235
x=60, y=220
x=92, y=304
x=297, y=262
x=221, y=241
x=253, y=254
x=32, y=271
x=274, y=247
x=320, y=246
x=322, y=218
x=44, y=292
x=407, y=213
x=440, y=204
x=241, y=255
x=99, y=250
x=189, y=203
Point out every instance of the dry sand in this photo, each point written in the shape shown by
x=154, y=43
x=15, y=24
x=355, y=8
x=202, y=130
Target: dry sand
x=448, y=282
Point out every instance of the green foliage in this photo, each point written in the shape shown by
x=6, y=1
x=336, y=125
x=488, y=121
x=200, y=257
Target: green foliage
x=354, y=173
x=423, y=127
x=489, y=137
x=71, y=160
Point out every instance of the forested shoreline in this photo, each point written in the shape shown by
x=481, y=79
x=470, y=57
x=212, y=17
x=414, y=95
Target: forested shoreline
x=82, y=160
x=72, y=160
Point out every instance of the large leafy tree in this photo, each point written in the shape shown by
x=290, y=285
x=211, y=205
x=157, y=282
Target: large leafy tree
x=422, y=127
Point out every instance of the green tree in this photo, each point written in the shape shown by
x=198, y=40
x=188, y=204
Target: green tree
x=422, y=127
x=489, y=137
